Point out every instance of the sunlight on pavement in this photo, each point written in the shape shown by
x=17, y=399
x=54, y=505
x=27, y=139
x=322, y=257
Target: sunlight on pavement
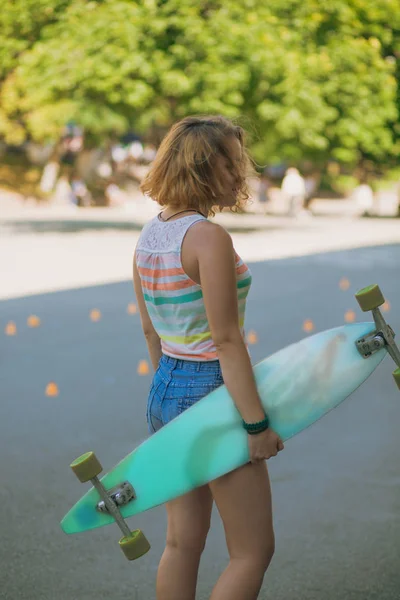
x=58, y=260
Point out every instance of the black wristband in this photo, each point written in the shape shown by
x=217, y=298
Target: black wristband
x=254, y=428
x=258, y=430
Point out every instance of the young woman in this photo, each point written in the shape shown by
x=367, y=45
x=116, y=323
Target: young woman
x=191, y=290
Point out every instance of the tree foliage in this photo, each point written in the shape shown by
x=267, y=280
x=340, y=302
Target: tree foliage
x=310, y=79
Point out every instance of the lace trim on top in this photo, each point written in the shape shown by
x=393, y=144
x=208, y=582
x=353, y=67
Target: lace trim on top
x=161, y=236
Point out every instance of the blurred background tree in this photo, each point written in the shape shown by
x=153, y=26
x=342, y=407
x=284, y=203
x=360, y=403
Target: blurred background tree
x=313, y=81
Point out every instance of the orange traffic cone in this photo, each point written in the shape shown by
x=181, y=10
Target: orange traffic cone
x=350, y=316
x=308, y=326
x=252, y=337
x=11, y=328
x=52, y=389
x=95, y=315
x=143, y=367
x=344, y=284
x=33, y=321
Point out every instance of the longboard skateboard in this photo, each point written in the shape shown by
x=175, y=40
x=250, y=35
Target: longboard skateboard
x=297, y=385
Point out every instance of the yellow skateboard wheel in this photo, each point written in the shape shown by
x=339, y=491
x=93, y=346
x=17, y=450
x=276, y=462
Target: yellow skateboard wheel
x=396, y=375
x=134, y=546
x=370, y=297
x=86, y=467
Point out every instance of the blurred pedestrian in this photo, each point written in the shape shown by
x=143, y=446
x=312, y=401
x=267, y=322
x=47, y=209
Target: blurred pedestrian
x=80, y=194
x=264, y=186
x=294, y=191
x=364, y=198
x=311, y=183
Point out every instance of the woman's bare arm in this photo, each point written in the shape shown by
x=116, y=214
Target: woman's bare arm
x=217, y=269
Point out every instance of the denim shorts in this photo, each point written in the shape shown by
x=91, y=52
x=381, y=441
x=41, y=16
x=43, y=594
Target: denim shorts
x=177, y=385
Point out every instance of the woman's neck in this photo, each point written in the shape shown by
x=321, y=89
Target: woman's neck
x=169, y=214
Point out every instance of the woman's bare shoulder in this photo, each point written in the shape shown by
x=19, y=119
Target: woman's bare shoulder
x=207, y=235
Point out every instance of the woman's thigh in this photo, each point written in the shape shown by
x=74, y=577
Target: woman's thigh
x=189, y=518
x=243, y=499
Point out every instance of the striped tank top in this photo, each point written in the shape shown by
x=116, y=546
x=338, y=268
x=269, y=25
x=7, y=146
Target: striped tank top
x=173, y=300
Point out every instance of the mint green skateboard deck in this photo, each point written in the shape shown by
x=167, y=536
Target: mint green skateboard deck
x=297, y=385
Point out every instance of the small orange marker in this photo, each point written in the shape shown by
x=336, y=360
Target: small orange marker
x=386, y=306
x=344, y=284
x=252, y=337
x=132, y=309
x=52, y=389
x=143, y=368
x=350, y=316
x=95, y=315
x=308, y=326
x=11, y=328
x=33, y=321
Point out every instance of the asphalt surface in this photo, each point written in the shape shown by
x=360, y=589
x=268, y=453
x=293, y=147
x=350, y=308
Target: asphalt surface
x=336, y=487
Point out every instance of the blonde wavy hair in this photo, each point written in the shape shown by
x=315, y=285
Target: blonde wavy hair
x=184, y=173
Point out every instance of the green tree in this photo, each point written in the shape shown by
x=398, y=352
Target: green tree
x=362, y=41
x=21, y=24
x=311, y=79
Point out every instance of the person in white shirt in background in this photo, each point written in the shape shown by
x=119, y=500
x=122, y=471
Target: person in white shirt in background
x=364, y=198
x=294, y=191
